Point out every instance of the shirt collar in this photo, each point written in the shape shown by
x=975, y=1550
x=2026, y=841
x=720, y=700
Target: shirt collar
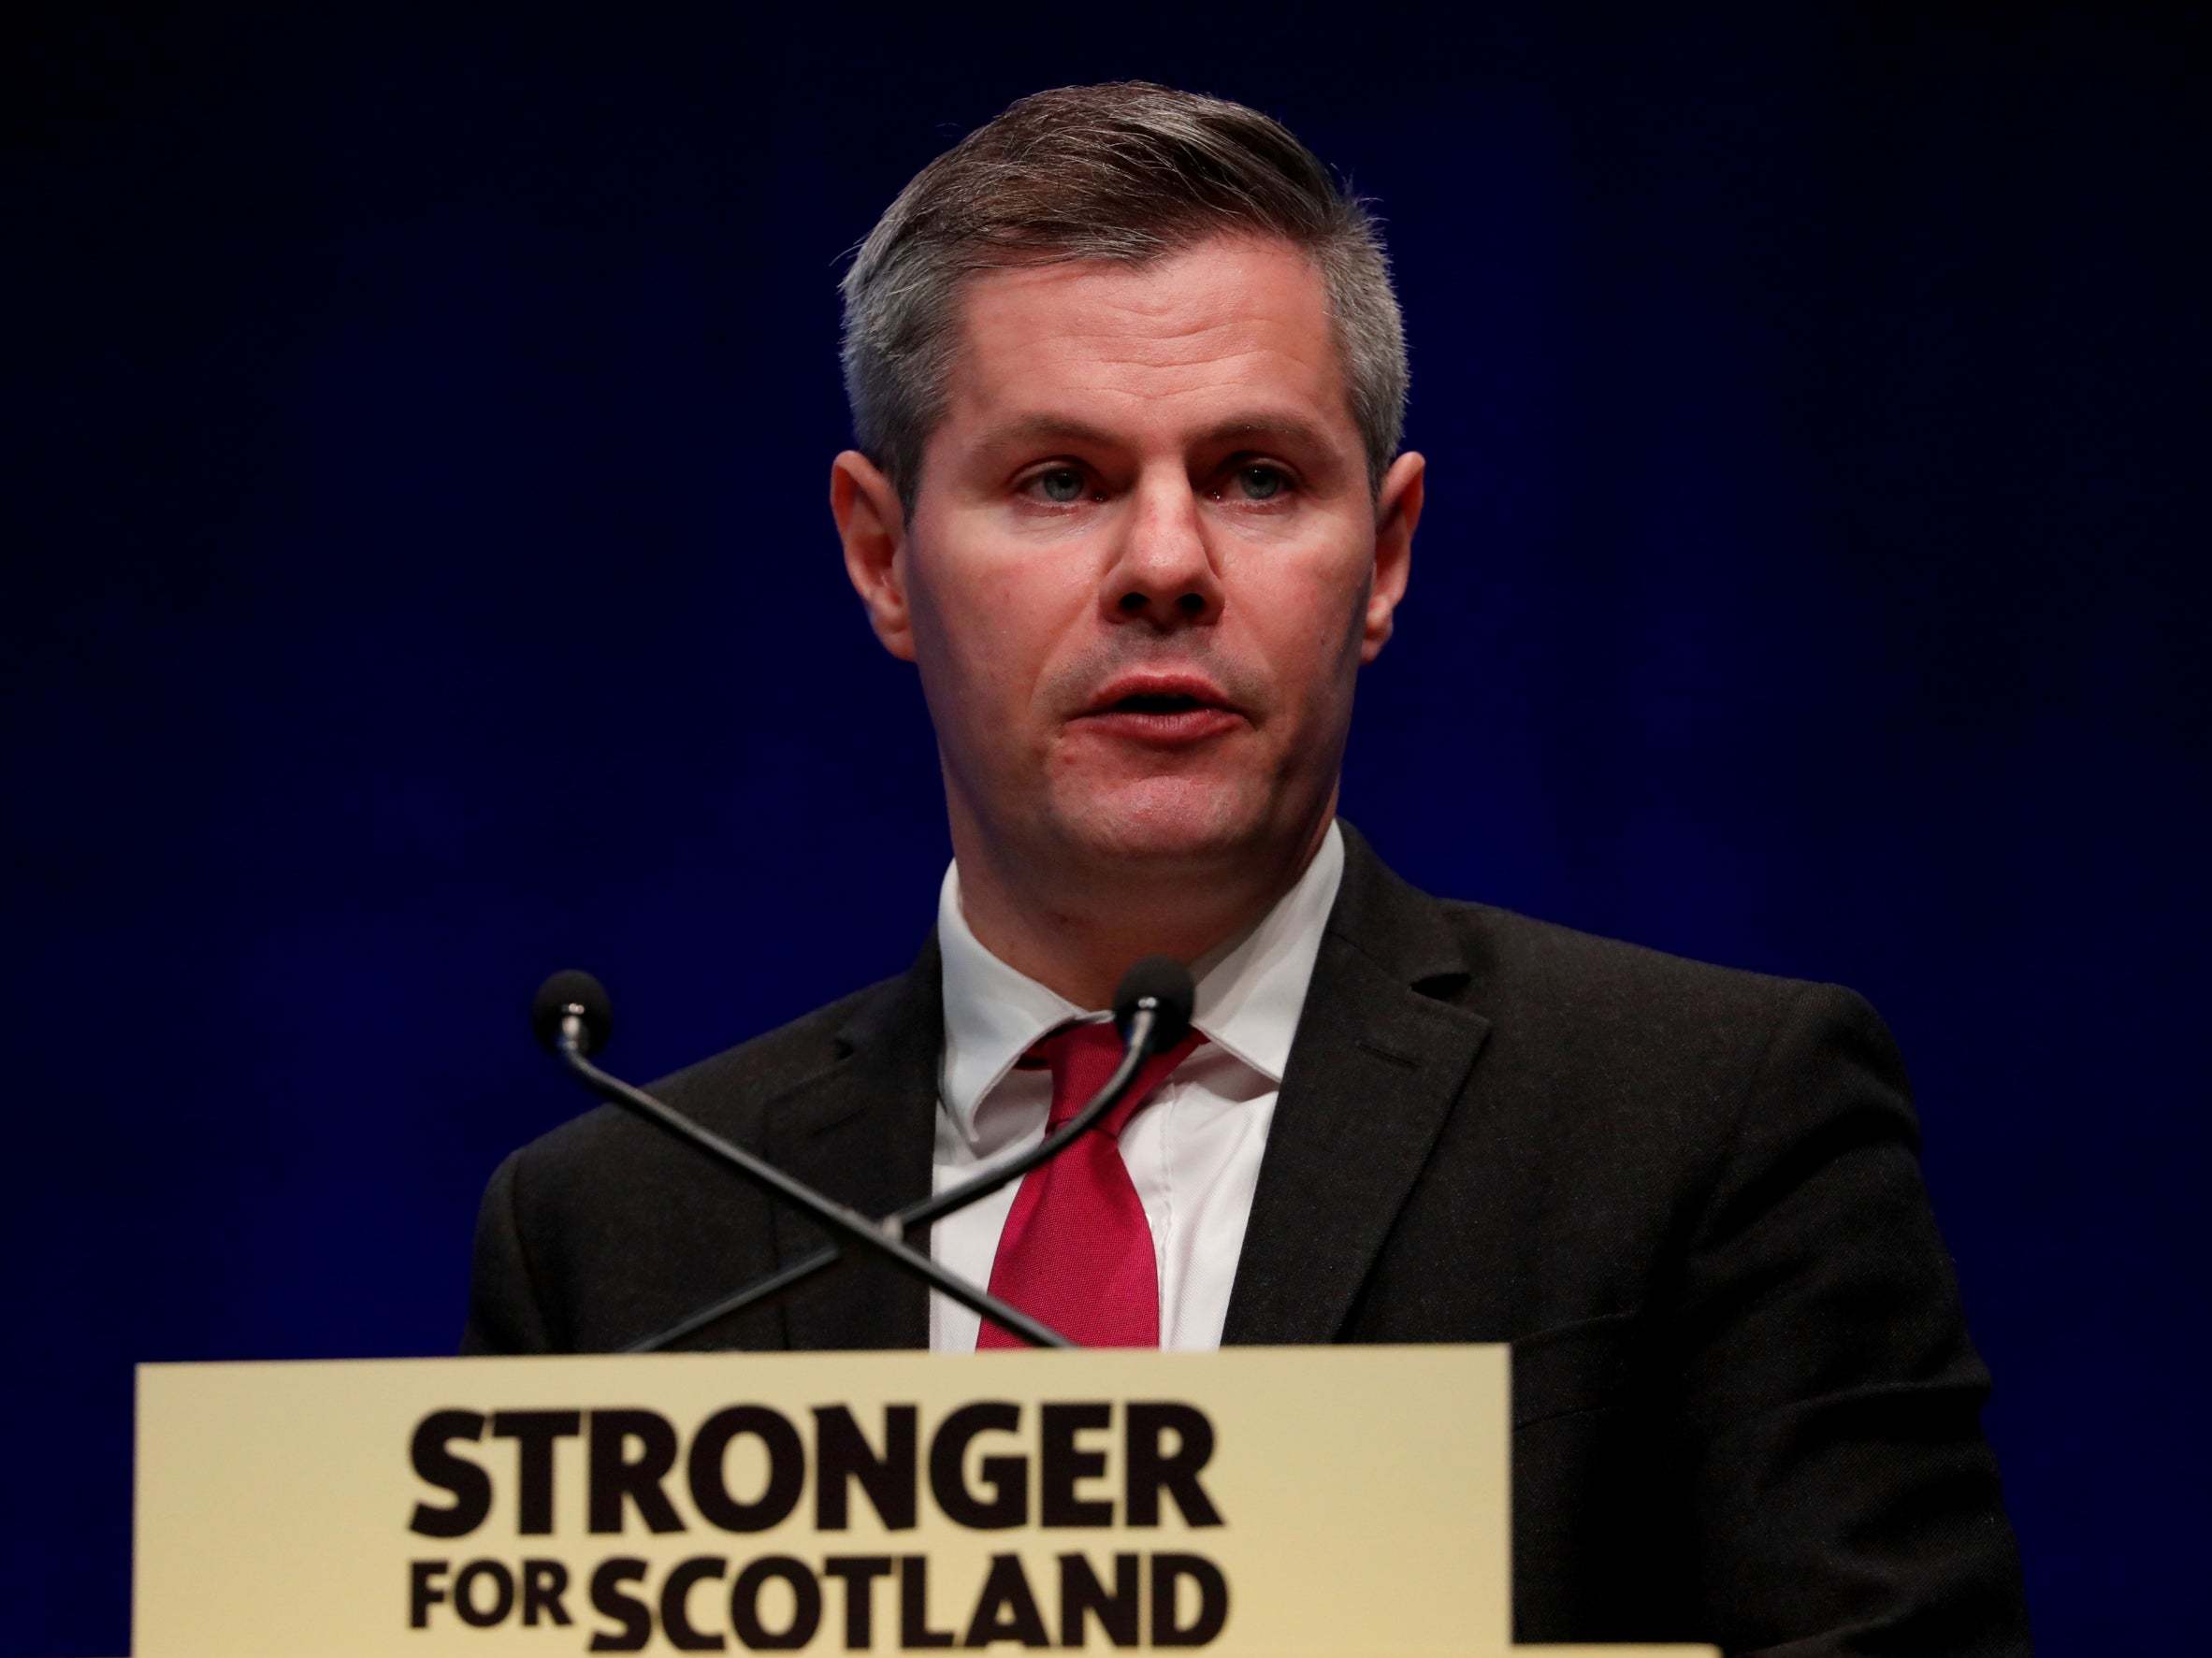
x=1250, y=992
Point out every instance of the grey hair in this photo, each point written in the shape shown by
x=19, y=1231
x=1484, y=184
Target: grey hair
x=1128, y=172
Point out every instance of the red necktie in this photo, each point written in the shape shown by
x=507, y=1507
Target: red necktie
x=1077, y=1251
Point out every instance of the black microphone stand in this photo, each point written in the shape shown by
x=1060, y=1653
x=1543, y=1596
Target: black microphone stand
x=1137, y=1049
x=885, y=1239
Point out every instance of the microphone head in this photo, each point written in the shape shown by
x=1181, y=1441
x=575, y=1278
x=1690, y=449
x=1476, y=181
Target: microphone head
x=1167, y=984
x=567, y=991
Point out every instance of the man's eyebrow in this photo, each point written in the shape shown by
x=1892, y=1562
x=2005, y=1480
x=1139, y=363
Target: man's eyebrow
x=1293, y=429
x=1044, y=430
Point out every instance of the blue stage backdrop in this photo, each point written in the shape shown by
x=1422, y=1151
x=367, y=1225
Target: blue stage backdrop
x=419, y=577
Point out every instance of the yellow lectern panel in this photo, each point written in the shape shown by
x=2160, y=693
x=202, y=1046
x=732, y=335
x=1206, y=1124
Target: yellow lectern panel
x=1255, y=1501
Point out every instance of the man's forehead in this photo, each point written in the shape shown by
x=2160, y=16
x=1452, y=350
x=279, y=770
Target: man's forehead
x=1232, y=330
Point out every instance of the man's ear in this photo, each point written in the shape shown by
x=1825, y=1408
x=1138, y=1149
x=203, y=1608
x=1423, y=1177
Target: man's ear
x=1398, y=510
x=872, y=524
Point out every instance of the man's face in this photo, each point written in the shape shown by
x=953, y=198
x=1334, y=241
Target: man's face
x=1145, y=563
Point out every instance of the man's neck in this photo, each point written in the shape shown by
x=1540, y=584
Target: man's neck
x=1079, y=935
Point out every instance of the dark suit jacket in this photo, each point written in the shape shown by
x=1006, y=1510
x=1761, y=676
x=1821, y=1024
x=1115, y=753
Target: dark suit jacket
x=1746, y=1406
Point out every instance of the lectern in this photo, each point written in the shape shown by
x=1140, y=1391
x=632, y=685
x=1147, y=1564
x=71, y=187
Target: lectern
x=1338, y=1501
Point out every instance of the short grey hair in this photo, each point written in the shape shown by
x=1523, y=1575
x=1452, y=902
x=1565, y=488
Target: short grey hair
x=1128, y=172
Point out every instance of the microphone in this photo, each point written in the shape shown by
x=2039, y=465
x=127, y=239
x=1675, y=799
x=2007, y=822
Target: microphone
x=1162, y=986
x=1152, y=1008
x=567, y=1011
x=571, y=995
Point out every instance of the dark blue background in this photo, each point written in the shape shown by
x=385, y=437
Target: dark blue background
x=418, y=578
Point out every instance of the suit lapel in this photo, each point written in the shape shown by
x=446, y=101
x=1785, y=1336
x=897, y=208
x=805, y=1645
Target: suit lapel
x=1376, y=1063
x=861, y=1133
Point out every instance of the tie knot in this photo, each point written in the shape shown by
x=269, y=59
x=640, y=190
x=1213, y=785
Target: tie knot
x=1083, y=1057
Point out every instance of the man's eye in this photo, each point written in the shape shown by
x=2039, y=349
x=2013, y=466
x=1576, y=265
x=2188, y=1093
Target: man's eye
x=1061, y=485
x=1260, y=483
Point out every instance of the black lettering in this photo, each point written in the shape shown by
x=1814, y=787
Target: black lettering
x=534, y=1433
x=421, y=1594
x=1061, y=1463
x=1006, y=1477
x=1007, y=1610
x=1152, y=1470
x=464, y=1594
x=471, y=1486
x=744, y=1605
x=675, y=1617
x=858, y=1572
x=786, y=1468
x=545, y=1583
x=841, y=1454
x=1081, y=1594
x=1213, y=1600
x=607, y=1600
x=615, y=1477
x=913, y=1606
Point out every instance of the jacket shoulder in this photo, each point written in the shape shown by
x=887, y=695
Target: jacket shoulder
x=1524, y=959
x=1515, y=969
x=1657, y=1043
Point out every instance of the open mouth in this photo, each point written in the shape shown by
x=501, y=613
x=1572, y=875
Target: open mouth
x=1155, y=702
x=1164, y=715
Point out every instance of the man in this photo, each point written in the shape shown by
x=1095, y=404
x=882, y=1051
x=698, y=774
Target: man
x=1127, y=379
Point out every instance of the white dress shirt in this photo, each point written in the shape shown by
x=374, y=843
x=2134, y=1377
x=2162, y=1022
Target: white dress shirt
x=1193, y=1153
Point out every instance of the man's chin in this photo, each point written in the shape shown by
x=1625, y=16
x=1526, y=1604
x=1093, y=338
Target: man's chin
x=1164, y=825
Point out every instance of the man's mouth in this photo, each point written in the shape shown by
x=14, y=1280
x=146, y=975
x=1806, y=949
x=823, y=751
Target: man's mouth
x=1164, y=710
x=1155, y=702
x=1158, y=690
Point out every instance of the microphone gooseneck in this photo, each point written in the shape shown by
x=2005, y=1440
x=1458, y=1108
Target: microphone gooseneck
x=1152, y=1006
x=1153, y=1009
x=566, y=1005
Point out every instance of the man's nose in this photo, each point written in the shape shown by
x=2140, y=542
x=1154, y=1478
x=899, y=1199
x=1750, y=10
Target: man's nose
x=1164, y=569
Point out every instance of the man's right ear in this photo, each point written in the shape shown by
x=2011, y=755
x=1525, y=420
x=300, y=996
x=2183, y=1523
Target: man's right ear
x=872, y=524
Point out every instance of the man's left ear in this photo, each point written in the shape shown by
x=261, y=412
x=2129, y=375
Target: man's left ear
x=1398, y=510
